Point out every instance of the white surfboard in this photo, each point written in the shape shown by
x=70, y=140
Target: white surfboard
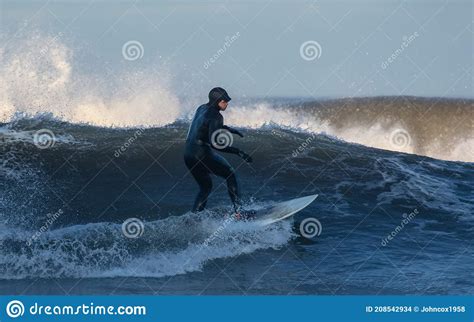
x=282, y=210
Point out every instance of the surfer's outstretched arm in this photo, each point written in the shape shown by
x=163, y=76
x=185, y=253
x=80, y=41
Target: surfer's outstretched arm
x=217, y=124
x=233, y=131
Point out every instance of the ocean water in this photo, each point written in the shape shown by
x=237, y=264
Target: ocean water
x=394, y=177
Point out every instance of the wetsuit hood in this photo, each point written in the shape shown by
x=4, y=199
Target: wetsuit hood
x=216, y=95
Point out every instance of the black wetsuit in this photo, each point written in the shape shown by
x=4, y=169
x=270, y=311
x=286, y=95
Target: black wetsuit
x=202, y=160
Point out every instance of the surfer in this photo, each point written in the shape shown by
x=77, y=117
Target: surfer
x=207, y=134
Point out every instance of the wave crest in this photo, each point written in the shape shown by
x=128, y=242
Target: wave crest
x=37, y=76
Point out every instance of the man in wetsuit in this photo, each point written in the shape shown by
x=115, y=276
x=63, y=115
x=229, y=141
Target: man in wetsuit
x=207, y=134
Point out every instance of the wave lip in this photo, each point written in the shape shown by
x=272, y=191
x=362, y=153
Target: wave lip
x=440, y=128
x=32, y=85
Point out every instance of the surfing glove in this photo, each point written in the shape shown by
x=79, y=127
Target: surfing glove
x=245, y=156
x=233, y=131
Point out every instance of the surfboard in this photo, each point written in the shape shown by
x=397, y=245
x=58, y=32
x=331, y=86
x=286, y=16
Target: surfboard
x=282, y=210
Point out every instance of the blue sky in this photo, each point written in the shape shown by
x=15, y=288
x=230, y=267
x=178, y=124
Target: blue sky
x=363, y=48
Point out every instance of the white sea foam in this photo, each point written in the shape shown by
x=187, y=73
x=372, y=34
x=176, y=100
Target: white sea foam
x=37, y=75
x=32, y=83
x=168, y=247
x=394, y=137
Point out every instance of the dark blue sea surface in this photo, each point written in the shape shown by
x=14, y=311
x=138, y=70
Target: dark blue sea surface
x=390, y=222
